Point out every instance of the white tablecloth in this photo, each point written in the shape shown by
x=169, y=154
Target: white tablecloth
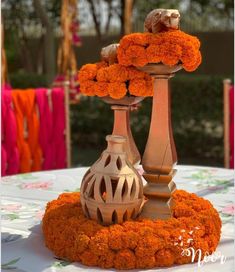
x=24, y=198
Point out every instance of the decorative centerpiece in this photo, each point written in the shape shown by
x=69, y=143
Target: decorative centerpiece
x=158, y=231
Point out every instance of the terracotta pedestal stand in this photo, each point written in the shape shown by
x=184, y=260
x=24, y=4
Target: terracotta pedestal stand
x=160, y=154
x=121, y=126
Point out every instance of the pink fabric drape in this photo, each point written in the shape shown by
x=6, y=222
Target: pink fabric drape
x=58, y=146
x=231, y=126
x=10, y=151
x=46, y=127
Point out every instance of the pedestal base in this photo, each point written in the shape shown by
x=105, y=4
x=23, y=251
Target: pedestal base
x=158, y=190
x=157, y=209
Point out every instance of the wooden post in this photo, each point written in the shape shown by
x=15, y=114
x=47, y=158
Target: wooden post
x=128, y=16
x=67, y=122
x=4, y=60
x=227, y=85
x=65, y=85
x=160, y=155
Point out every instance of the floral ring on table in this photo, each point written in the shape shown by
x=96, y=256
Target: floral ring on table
x=133, y=244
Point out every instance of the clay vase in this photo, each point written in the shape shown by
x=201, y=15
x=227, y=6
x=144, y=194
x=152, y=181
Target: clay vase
x=112, y=189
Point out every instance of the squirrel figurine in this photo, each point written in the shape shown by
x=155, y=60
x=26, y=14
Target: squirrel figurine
x=109, y=53
x=160, y=20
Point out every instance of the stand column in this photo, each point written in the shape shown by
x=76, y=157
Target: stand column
x=121, y=127
x=160, y=155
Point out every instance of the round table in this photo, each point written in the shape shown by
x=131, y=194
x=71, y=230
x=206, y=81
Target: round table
x=24, y=198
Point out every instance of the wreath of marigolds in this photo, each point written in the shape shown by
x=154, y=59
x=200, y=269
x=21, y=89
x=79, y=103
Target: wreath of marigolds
x=133, y=244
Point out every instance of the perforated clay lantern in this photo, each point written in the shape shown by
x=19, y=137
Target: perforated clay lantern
x=112, y=189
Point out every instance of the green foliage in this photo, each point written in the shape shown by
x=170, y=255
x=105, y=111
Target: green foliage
x=197, y=117
x=23, y=81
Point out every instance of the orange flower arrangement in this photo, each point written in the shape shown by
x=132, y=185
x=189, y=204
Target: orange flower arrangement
x=138, y=49
x=115, y=80
x=170, y=48
x=133, y=244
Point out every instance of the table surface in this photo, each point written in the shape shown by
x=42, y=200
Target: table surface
x=24, y=198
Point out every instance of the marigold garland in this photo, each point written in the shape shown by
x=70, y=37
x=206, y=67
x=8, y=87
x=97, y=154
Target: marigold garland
x=133, y=244
x=170, y=48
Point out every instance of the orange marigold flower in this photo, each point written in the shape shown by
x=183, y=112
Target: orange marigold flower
x=134, y=55
x=123, y=58
x=141, y=87
x=82, y=242
x=148, y=245
x=154, y=39
x=193, y=66
x=137, y=55
x=130, y=239
x=171, y=53
x=117, y=90
x=102, y=74
x=87, y=87
x=146, y=262
x=101, y=89
x=115, y=240
x=125, y=259
x=113, y=73
x=106, y=261
x=99, y=244
x=87, y=72
x=154, y=53
x=164, y=257
x=133, y=73
x=117, y=73
x=89, y=259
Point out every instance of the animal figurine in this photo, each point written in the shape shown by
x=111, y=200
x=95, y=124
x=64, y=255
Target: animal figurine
x=109, y=53
x=160, y=20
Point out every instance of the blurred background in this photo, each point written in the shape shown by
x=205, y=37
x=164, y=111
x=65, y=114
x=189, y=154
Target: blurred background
x=31, y=38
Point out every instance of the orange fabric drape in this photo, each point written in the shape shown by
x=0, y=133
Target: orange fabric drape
x=28, y=130
x=22, y=144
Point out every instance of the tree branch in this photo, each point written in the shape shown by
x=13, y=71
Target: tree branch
x=95, y=19
x=41, y=13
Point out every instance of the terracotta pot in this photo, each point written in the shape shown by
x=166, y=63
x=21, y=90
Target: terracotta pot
x=112, y=189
